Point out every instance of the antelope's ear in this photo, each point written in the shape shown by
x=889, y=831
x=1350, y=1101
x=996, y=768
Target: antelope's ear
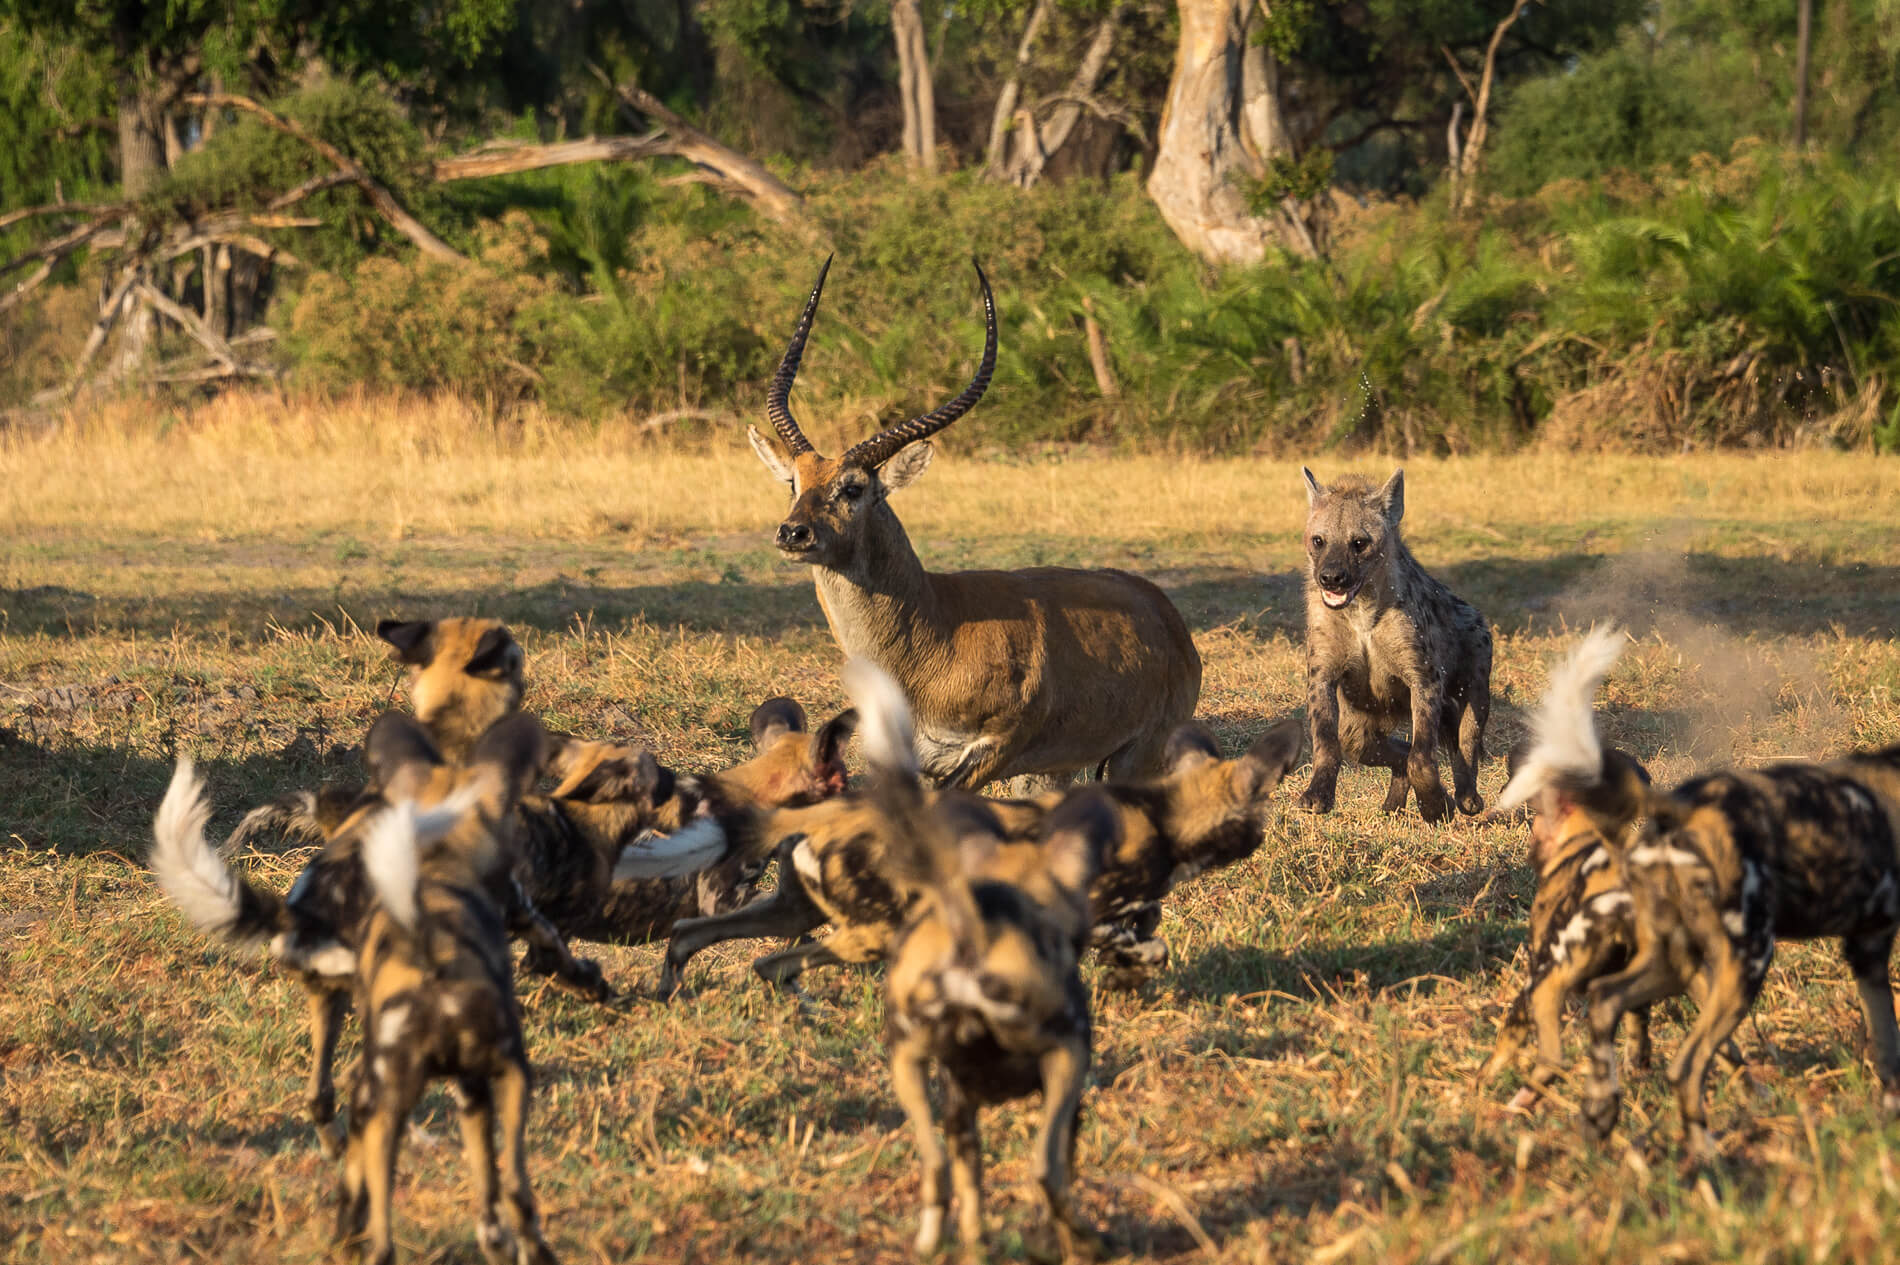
x=769, y=455
x=1190, y=745
x=411, y=638
x=905, y=468
x=1271, y=758
x=1392, y=497
x=773, y=719
x=1314, y=488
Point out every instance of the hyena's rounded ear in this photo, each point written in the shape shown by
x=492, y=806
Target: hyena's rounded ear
x=1392, y=496
x=1191, y=744
x=1314, y=488
x=1271, y=757
x=780, y=468
x=773, y=719
x=397, y=749
x=907, y=466
x=410, y=638
x=496, y=652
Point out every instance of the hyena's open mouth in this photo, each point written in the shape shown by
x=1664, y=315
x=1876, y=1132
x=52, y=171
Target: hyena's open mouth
x=1335, y=599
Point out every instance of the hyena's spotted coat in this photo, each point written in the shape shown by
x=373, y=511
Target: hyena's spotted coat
x=1388, y=645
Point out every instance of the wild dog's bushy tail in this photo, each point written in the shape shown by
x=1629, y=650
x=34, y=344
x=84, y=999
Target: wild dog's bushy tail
x=922, y=844
x=693, y=847
x=196, y=880
x=393, y=844
x=1565, y=751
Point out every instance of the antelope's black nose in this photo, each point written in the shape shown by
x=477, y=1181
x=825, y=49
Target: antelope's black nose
x=794, y=535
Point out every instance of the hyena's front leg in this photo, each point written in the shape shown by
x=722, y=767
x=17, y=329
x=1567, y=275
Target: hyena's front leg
x=1421, y=765
x=1322, y=716
x=1469, y=747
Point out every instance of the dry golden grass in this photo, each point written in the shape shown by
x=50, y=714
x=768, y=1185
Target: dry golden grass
x=1297, y=1086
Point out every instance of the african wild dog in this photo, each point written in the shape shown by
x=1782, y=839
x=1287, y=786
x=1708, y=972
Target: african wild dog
x=315, y=929
x=1203, y=813
x=435, y=986
x=1386, y=645
x=1726, y=863
x=465, y=674
x=984, y=978
x=1583, y=927
x=576, y=863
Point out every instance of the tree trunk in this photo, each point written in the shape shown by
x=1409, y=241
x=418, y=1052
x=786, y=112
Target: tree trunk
x=1467, y=168
x=1037, y=145
x=1804, y=33
x=914, y=86
x=141, y=142
x=995, y=161
x=1201, y=155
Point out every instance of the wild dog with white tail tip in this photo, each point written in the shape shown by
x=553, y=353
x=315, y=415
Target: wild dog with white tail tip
x=1387, y=645
x=435, y=987
x=314, y=929
x=1724, y=865
x=984, y=979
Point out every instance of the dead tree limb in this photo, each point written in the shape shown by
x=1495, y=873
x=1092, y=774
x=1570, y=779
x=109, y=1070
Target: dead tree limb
x=189, y=321
x=1466, y=172
x=27, y=287
x=61, y=246
x=94, y=209
x=101, y=328
x=995, y=165
x=380, y=198
x=774, y=199
x=508, y=160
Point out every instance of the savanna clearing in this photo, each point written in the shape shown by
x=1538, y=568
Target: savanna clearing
x=1298, y=1084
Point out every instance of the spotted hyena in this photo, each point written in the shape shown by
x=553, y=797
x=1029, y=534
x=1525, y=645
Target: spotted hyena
x=1387, y=645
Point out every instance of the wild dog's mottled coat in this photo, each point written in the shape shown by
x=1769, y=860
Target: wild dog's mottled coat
x=1725, y=864
x=435, y=987
x=1203, y=814
x=984, y=979
x=1388, y=645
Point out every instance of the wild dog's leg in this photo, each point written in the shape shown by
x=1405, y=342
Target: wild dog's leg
x=352, y=1200
x=475, y=1102
x=548, y=953
x=788, y=912
x=1322, y=716
x=1867, y=959
x=326, y=1006
x=1642, y=1051
x=908, y=1061
x=381, y=1135
x=1129, y=948
x=1421, y=764
x=1648, y=978
x=1732, y=986
x=966, y=1163
x=511, y=1086
x=1064, y=1070
x=1511, y=1033
x=782, y=969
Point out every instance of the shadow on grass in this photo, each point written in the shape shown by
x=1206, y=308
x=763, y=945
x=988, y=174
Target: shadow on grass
x=1476, y=947
x=1741, y=594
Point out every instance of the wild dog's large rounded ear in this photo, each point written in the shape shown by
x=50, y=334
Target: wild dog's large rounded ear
x=1190, y=745
x=400, y=754
x=611, y=775
x=773, y=719
x=1636, y=767
x=410, y=638
x=514, y=747
x=827, y=745
x=1271, y=758
x=1080, y=835
x=1392, y=497
x=907, y=466
x=780, y=468
x=1314, y=488
x=496, y=652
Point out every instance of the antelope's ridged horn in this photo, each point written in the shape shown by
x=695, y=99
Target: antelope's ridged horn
x=778, y=396
x=884, y=445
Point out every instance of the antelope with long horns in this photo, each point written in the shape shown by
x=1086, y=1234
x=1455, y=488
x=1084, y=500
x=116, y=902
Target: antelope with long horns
x=1047, y=670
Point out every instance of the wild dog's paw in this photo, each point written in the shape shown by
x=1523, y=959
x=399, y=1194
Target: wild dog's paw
x=1598, y=1116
